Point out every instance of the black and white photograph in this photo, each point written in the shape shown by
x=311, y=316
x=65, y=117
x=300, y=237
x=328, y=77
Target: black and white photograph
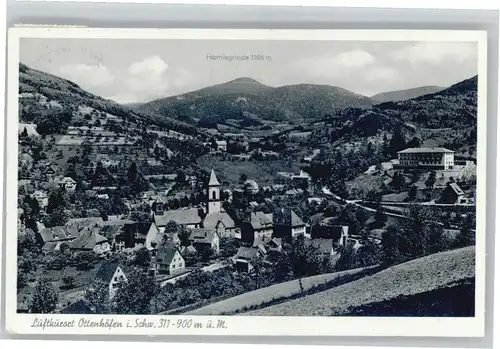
x=190, y=177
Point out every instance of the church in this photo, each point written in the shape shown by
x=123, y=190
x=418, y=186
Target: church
x=210, y=216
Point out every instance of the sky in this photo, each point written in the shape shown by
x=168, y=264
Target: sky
x=137, y=71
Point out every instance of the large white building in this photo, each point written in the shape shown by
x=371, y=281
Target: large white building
x=428, y=158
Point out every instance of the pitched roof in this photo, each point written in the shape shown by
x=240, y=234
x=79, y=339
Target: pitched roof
x=322, y=245
x=288, y=217
x=213, y=179
x=165, y=255
x=250, y=183
x=259, y=220
x=456, y=189
x=59, y=233
x=212, y=219
x=246, y=252
x=78, y=307
x=107, y=270
x=88, y=239
x=182, y=216
x=425, y=150
x=202, y=235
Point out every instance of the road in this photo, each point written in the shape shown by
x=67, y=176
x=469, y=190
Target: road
x=209, y=268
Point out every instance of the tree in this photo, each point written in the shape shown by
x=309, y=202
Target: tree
x=431, y=180
x=142, y=257
x=136, y=293
x=380, y=218
x=347, y=259
x=243, y=178
x=97, y=296
x=301, y=259
x=68, y=281
x=396, y=144
x=24, y=134
x=45, y=298
x=184, y=237
x=414, y=143
x=412, y=193
x=85, y=260
x=466, y=236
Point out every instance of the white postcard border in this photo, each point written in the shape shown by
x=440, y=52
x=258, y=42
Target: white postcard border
x=244, y=325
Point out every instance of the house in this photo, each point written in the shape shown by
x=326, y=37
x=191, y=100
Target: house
x=221, y=145
x=288, y=225
x=326, y=229
x=426, y=158
x=41, y=197
x=67, y=183
x=258, y=230
x=158, y=205
x=91, y=240
x=325, y=247
x=168, y=260
x=78, y=307
x=50, y=170
x=55, y=235
x=275, y=245
x=188, y=217
x=303, y=179
x=111, y=274
x=203, y=238
x=453, y=194
x=188, y=250
x=244, y=256
x=251, y=186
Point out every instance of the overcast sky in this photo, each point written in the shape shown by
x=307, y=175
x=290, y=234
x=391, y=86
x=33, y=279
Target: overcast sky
x=130, y=71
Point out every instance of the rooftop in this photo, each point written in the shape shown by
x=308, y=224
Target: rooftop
x=425, y=150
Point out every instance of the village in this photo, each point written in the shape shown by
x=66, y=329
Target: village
x=182, y=224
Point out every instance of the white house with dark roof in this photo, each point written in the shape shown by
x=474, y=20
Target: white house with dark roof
x=168, y=260
x=188, y=217
x=204, y=238
x=427, y=158
x=41, y=197
x=258, y=230
x=91, y=240
x=287, y=224
x=112, y=274
x=68, y=184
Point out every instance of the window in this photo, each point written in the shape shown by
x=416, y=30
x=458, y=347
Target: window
x=214, y=195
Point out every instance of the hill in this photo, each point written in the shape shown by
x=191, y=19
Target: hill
x=440, y=271
x=250, y=103
x=403, y=95
x=453, y=107
x=56, y=103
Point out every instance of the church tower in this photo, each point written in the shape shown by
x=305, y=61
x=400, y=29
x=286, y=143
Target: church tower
x=213, y=204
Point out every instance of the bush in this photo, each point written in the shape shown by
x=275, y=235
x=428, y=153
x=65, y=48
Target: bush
x=68, y=281
x=85, y=260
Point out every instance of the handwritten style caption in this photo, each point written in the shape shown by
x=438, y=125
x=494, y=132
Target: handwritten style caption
x=110, y=323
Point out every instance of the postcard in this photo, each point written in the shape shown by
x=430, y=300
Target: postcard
x=246, y=182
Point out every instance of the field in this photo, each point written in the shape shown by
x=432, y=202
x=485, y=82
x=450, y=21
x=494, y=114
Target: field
x=421, y=275
x=264, y=172
x=269, y=294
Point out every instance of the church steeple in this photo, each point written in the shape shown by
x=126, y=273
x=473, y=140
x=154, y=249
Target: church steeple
x=213, y=194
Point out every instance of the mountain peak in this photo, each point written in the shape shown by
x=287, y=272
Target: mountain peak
x=245, y=80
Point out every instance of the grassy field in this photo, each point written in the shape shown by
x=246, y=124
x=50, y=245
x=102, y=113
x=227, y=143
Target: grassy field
x=269, y=294
x=414, y=277
x=264, y=172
